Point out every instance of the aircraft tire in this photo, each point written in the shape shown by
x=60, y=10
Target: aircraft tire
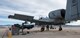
x=60, y=29
x=42, y=29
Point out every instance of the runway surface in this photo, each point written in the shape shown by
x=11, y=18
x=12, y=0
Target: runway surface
x=68, y=32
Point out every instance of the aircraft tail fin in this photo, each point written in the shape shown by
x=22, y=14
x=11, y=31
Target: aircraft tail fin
x=72, y=10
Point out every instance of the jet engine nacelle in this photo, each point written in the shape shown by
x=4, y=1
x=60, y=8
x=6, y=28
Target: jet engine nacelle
x=57, y=14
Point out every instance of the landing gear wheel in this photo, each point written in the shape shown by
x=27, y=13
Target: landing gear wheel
x=42, y=29
x=60, y=28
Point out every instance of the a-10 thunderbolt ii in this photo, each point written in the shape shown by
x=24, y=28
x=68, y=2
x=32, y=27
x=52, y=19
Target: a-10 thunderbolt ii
x=57, y=17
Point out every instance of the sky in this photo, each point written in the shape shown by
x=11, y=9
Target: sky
x=35, y=8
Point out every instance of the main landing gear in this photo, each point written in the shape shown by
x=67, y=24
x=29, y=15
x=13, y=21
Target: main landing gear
x=60, y=28
x=42, y=28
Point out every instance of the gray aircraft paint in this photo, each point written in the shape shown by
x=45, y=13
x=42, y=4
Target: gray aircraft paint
x=72, y=10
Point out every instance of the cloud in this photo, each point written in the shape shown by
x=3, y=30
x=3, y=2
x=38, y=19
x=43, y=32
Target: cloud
x=12, y=12
x=9, y=21
x=33, y=6
x=39, y=6
x=28, y=7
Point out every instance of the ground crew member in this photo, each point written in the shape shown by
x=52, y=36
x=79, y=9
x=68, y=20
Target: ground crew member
x=7, y=33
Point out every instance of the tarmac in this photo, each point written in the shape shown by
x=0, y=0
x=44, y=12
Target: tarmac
x=67, y=32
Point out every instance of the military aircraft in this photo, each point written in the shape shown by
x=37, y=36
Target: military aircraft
x=57, y=17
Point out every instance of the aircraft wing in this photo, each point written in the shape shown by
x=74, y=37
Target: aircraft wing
x=72, y=10
x=21, y=17
x=30, y=18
